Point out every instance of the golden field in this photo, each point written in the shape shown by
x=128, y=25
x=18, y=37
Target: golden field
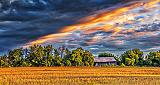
x=80, y=76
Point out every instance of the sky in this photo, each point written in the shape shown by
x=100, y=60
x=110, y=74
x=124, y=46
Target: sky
x=95, y=25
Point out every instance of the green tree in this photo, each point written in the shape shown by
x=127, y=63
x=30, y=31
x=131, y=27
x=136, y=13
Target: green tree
x=131, y=57
x=67, y=62
x=15, y=57
x=36, y=55
x=57, y=61
x=106, y=55
x=76, y=57
x=48, y=58
x=25, y=63
x=4, y=61
x=153, y=59
x=48, y=61
x=56, y=53
x=88, y=58
x=67, y=57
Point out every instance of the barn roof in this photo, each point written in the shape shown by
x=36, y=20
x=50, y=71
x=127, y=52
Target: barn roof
x=104, y=59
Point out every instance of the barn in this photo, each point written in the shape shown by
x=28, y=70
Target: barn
x=100, y=61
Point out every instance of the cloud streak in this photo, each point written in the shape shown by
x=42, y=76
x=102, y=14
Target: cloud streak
x=134, y=25
x=91, y=24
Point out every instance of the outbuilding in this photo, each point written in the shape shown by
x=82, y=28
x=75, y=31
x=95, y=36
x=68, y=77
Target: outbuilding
x=100, y=61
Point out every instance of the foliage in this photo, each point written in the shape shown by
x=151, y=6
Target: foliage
x=15, y=57
x=122, y=65
x=153, y=59
x=4, y=61
x=88, y=58
x=131, y=57
x=37, y=55
x=106, y=55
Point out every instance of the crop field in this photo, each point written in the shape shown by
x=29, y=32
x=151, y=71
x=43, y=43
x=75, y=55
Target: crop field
x=80, y=76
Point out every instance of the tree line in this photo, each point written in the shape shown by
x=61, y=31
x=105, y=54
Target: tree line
x=135, y=57
x=39, y=56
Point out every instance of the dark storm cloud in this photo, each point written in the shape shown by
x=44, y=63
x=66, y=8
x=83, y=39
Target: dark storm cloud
x=22, y=32
x=65, y=5
x=22, y=21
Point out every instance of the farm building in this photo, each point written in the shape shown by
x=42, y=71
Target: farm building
x=99, y=61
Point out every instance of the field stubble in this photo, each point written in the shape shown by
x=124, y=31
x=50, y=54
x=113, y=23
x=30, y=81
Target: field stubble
x=80, y=76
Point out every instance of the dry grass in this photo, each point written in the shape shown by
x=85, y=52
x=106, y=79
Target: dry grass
x=79, y=76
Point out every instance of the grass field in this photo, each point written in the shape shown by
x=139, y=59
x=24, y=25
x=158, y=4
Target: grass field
x=80, y=76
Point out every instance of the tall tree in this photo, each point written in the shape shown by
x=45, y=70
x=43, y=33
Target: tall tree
x=153, y=59
x=131, y=57
x=36, y=55
x=4, y=61
x=88, y=58
x=106, y=55
x=15, y=57
x=76, y=57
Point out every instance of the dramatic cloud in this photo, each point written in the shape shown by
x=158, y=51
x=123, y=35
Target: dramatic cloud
x=92, y=25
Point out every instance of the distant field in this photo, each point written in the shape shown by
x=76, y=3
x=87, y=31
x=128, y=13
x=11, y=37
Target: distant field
x=79, y=76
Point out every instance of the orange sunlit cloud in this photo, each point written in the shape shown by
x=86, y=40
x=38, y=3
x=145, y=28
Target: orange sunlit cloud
x=48, y=38
x=106, y=16
x=105, y=21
